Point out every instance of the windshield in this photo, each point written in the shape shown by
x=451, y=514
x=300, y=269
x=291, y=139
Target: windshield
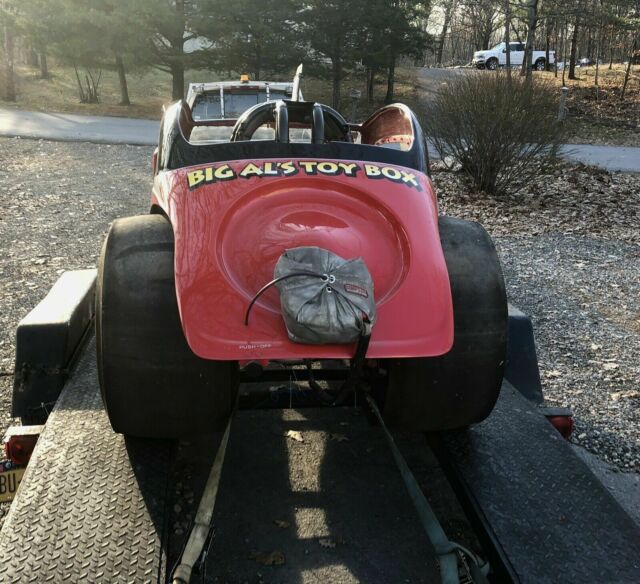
x=498, y=46
x=213, y=134
x=236, y=101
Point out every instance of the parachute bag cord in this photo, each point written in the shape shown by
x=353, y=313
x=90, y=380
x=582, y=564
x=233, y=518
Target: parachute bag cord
x=273, y=282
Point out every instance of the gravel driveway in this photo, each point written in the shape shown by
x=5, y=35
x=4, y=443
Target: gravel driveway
x=571, y=258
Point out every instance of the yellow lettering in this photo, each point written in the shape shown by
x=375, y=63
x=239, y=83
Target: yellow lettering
x=309, y=166
x=287, y=168
x=224, y=172
x=194, y=178
x=391, y=173
x=349, y=169
x=410, y=178
x=371, y=170
x=328, y=168
x=270, y=169
x=250, y=170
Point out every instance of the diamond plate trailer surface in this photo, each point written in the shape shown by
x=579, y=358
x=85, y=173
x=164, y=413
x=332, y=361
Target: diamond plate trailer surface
x=540, y=512
x=90, y=508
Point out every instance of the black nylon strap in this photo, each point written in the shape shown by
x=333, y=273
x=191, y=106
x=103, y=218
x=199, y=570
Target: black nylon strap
x=356, y=372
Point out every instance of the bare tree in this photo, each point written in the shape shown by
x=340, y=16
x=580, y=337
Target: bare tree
x=449, y=8
x=574, y=45
x=532, y=22
x=7, y=75
x=628, y=71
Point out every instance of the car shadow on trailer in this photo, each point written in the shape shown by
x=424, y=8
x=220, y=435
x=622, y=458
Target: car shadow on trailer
x=306, y=495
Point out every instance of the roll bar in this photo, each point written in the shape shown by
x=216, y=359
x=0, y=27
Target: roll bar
x=326, y=123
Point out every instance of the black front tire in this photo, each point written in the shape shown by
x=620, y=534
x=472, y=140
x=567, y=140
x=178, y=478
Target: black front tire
x=460, y=387
x=492, y=64
x=152, y=384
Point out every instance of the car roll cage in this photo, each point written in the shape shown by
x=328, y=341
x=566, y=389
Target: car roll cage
x=332, y=136
x=326, y=123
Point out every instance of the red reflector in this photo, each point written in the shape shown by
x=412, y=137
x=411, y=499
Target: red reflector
x=19, y=443
x=564, y=425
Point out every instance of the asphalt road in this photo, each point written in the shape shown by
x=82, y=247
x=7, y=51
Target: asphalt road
x=78, y=128
x=112, y=130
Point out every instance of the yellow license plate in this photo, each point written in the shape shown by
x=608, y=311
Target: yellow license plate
x=9, y=483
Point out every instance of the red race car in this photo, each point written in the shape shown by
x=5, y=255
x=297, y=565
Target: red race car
x=173, y=335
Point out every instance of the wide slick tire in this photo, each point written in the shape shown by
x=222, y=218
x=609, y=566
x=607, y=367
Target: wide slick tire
x=460, y=387
x=152, y=384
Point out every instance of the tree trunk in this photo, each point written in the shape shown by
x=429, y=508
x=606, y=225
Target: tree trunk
x=532, y=18
x=371, y=79
x=391, y=78
x=547, y=64
x=598, y=41
x=507, y=35
x=257, y=67
x=487, y=30
x=33, y=57
x=628, y=71
x=177, y=45
x=611, y=50
x=44, y=66
x=565, y=32
x=336, y=76
x=443, y=33
x=556, y=30
x=177, y=80
x=572, y=57
x=81, y=93
x=589, y=44
x=122, y=78
x=7, y=75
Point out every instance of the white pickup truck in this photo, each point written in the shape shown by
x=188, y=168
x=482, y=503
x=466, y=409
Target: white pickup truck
x=497, y=57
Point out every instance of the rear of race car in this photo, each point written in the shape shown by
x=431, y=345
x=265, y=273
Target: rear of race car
x=279, y=260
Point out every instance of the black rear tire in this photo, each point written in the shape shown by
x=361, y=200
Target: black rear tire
x=152, y=384
x=461, y=387
x=539, y=65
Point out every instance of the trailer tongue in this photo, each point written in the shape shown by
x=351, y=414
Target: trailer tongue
x=96, y=507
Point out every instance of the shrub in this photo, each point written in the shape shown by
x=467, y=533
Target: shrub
x=502, y=130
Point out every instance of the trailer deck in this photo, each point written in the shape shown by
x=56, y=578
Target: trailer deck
x=95, y=507
x=92, y=504
x=539, y=511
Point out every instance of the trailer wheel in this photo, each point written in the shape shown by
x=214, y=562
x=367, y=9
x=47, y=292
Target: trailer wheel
x=461, y=387
x=152, y=384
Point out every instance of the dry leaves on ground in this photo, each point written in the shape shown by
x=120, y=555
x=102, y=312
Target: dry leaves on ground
x=295, y=435
x=571, y=199
x=274, y=558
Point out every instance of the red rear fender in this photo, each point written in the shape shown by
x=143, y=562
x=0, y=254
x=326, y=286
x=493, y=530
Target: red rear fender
x=233, y=220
